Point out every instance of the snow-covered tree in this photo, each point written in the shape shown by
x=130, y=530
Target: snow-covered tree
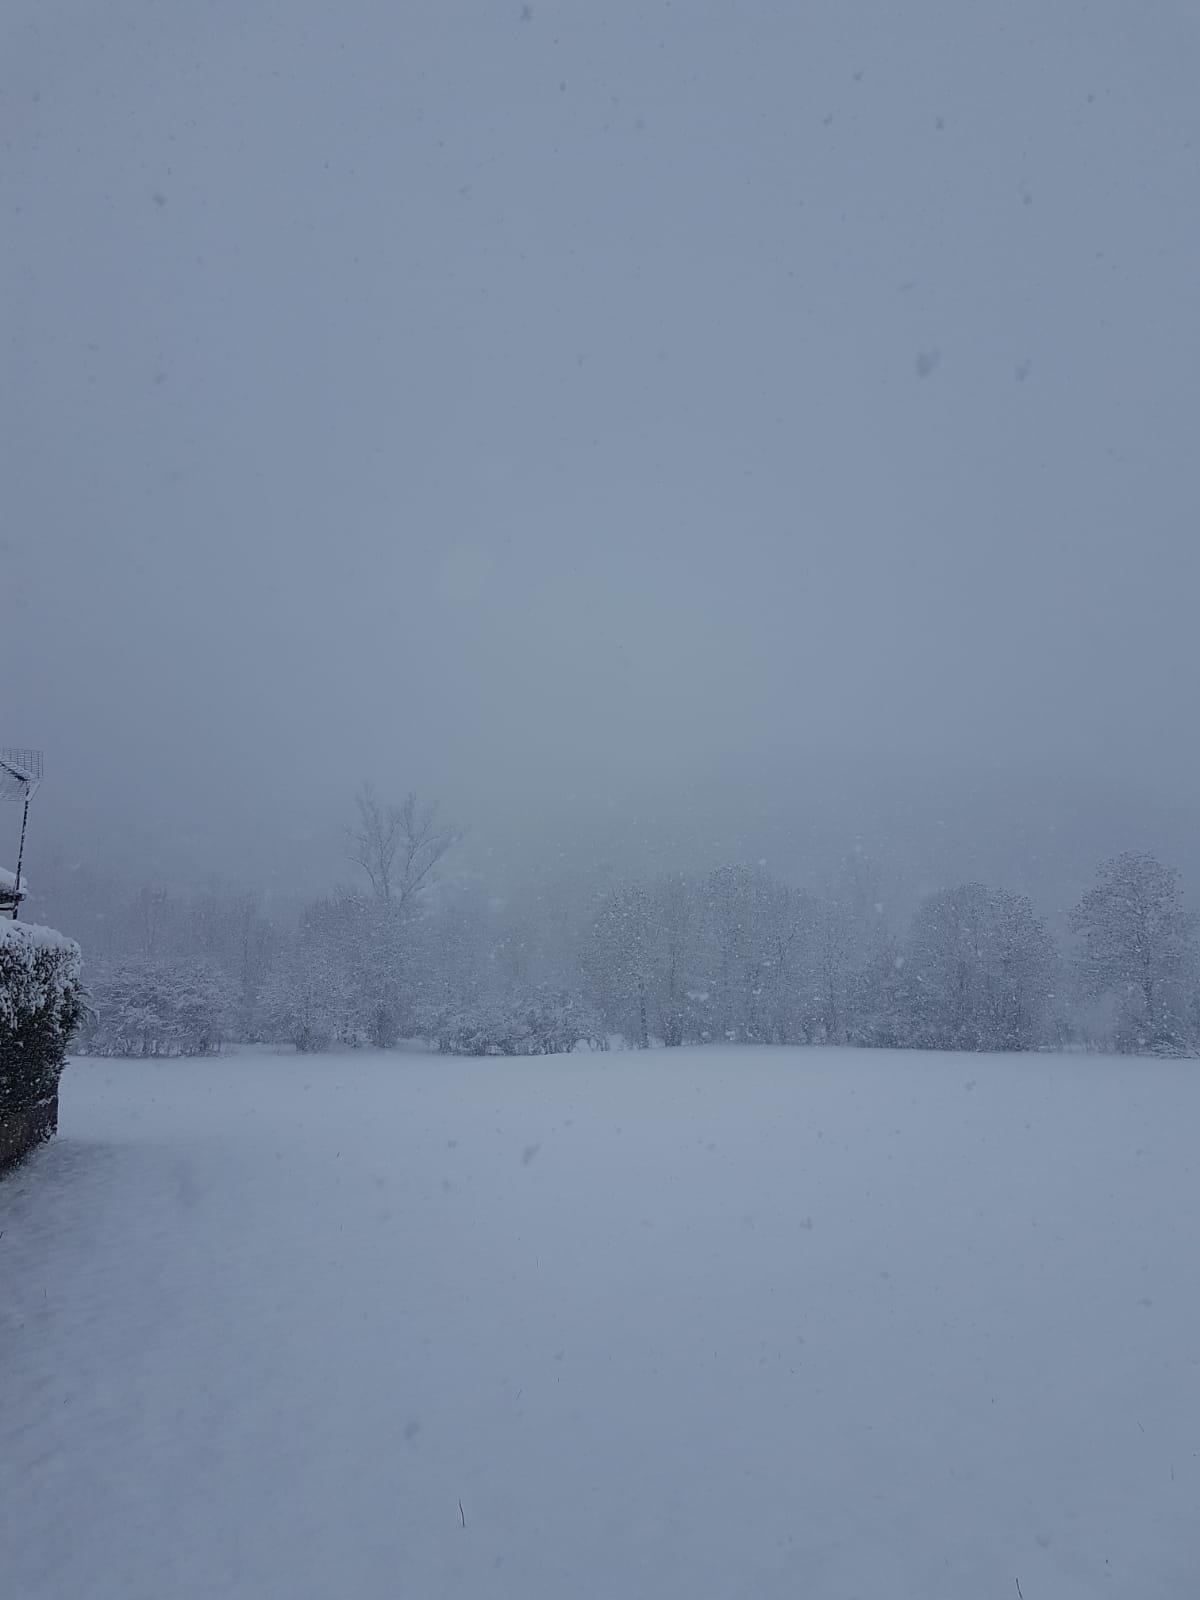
x=732, y=956
x=673, y=953
x=876, y=1004
x=831, y=970
x=146, y=1009
x=298, y=1006
x=980, y=972
x=781, y=938
x=619, y=958
x=1139, y=945
x=229, y=931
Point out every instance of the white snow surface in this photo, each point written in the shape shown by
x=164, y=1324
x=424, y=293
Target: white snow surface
x=8, y=880
x=32, y=936
x=699, y=1323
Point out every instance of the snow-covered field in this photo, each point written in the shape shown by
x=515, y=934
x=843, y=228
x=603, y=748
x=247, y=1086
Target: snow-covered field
x=704, y=1323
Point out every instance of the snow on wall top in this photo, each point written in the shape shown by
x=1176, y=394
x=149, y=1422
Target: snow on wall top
x=8, y=880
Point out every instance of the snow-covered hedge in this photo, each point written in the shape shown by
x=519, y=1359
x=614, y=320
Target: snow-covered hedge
x=531, y=1025
x=41, y=1003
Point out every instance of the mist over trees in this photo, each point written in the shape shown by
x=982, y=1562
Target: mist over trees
x=420, y=947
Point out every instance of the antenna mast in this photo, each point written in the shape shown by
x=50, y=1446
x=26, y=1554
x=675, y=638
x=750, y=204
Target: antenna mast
x=20, y=778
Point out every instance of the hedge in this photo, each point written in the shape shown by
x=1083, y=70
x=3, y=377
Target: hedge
x=41, y=1004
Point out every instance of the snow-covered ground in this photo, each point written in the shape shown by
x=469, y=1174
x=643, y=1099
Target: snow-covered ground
x=700, y=1323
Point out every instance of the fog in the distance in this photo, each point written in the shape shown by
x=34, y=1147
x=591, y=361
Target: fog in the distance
x=735, y=431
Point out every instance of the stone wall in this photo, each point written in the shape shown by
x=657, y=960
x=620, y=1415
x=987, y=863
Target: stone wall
x=23, y=1131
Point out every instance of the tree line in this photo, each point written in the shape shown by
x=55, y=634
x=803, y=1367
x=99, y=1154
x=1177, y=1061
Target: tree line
x=418, y=951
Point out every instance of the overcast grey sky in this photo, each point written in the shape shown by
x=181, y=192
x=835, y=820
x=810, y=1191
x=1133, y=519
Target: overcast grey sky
x=535, y=401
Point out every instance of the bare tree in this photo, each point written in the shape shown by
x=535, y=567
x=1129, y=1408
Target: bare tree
x=423, y=842
x=374, y=841
x=398, y=846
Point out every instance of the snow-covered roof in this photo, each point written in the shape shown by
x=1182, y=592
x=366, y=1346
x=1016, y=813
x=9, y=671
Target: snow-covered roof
x=8, y=880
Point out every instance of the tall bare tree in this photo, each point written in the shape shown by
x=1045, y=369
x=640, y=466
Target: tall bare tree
x=398, y=846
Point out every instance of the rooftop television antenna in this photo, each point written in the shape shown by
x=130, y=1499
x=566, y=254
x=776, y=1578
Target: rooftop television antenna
x=20, y=778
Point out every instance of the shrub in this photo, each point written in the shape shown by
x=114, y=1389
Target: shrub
x=156, y=1011
x=533, y=1024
